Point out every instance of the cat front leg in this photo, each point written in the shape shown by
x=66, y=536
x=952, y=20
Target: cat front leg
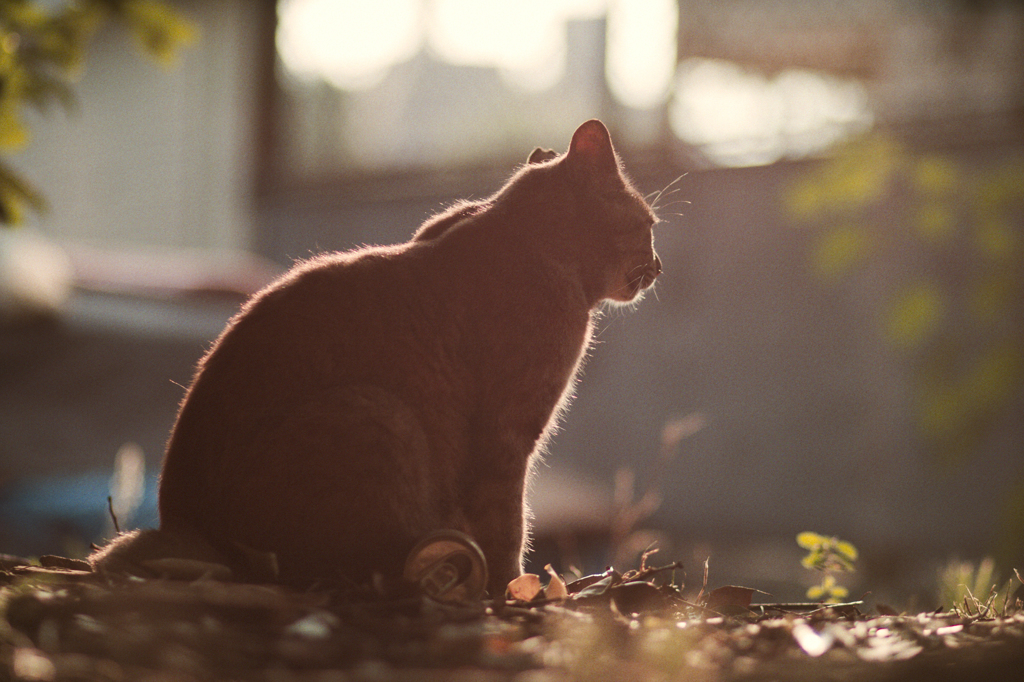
x=495, y=515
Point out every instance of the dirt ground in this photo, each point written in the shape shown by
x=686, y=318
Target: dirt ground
x=68, y=623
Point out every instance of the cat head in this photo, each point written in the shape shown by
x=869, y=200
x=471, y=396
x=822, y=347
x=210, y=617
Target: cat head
x=613, y=223
x=578, y=206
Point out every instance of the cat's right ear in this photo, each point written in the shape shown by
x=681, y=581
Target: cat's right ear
x=540, y=155
x=591, y=147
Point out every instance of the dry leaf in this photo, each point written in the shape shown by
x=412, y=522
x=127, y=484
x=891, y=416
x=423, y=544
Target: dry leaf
x=638, y=597
x=729, y=595
x=524, y=588
x=595, y=588
x=556, y=588
x=583, y=583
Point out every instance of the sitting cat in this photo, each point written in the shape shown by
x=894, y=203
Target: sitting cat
x=368, y=398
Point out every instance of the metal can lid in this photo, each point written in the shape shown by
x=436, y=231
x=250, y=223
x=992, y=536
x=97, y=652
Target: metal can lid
x=448, y=566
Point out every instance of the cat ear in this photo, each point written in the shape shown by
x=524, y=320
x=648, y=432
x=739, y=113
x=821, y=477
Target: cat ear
x=540, y=155
x=592, y=146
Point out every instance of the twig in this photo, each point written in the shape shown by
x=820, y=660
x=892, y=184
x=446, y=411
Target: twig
x=647, y=572
x=113, y=516
x=704, y=586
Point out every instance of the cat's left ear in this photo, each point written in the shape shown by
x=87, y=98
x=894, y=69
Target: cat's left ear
x=592, y=146
x=540, y=155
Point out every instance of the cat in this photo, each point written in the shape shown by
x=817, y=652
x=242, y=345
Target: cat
x=370, y=397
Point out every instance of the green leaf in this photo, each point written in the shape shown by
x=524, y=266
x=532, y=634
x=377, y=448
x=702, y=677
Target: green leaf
x=809, y=540
x=996, y=239
x=846, y=549
x=43, y=90
x=915, y=314
x=16, y=194
x=13, y=133
x=159, y=30
x=935, y=222
x=838, y=251
x=812, y=561
x=935, y=174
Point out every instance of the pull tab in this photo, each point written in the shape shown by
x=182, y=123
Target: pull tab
x=448, y=566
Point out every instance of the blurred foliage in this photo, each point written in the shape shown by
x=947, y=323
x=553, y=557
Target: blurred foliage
x=829, y=555
x=43, y=50
x=1011, y=527
x=939, y=239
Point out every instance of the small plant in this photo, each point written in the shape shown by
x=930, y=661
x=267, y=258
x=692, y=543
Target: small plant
x=829, y=555
x=971, y=590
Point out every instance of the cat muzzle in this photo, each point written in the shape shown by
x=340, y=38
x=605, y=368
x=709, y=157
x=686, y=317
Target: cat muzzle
x=650, y=273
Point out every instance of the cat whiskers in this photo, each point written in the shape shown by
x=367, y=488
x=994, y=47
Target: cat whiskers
x=634, y=285
x=665, y=192
x=674, y=203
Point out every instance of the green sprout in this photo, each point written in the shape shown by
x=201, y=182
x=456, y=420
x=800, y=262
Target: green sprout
x=829, y=555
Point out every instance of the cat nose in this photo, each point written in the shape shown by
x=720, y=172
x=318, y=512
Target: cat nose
x=657, y=265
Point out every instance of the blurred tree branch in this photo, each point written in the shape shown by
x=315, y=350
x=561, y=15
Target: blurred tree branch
x=43, y=49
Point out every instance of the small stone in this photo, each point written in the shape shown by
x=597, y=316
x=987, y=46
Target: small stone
x=318, y=625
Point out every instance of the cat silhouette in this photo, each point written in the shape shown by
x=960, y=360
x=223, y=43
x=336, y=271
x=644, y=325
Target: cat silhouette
x=368, y=398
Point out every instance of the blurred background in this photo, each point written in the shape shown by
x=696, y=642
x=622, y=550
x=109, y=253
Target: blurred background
x=836, y=345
